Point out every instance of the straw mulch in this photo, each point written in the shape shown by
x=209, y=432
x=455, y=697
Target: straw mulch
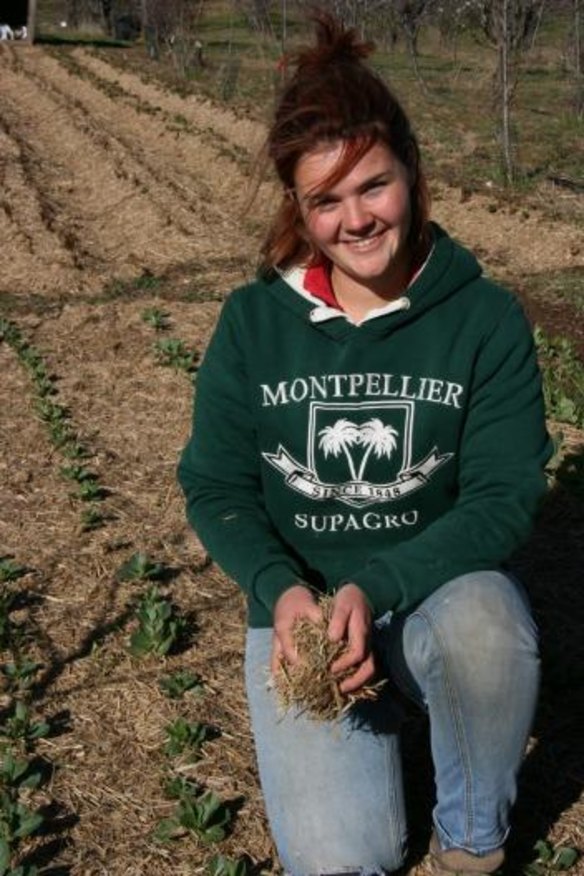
x=309, y=686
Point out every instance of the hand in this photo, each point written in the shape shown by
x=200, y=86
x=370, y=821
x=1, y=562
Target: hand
x=295, y=603
x=351, y=621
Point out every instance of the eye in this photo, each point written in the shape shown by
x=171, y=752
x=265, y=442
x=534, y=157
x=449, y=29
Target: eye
x=375, y=186
x=323, y=204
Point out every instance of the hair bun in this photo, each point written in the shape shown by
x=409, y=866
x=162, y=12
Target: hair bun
x=334, y=43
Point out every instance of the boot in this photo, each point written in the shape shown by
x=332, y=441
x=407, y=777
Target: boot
x=457, y=862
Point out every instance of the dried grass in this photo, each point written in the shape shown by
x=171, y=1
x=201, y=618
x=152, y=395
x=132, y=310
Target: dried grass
x=309, y=685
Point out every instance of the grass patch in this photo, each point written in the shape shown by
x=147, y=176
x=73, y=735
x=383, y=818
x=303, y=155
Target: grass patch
x=563, y=379
x=559, y=287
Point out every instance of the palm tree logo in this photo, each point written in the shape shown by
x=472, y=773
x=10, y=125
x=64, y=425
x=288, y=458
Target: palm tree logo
x=338, y=438
x=375, y=436
x=378, y=438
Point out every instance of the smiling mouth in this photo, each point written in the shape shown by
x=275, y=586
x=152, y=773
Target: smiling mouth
x=364, y=242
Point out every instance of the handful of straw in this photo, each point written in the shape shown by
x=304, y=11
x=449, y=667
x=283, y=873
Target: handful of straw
x=309, y=685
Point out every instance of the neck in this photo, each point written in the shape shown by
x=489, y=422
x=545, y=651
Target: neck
x=358, y=297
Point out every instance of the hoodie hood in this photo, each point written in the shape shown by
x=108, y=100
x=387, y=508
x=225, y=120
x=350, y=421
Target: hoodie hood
x=448, y=269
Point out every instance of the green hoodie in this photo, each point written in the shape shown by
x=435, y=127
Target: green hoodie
x=397, y=454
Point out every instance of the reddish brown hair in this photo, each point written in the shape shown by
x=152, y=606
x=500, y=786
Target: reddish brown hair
x=333, y=95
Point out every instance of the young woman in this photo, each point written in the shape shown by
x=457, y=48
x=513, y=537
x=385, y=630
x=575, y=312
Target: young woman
x=369, y=423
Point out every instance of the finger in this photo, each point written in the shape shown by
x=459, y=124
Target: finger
x=276, y=655
x=338, y=623
x=354, y=656
x=314, y=613
x=287, y=645
x=364, y=674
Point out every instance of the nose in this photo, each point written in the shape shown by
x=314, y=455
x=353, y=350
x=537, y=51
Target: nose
x=357, y=220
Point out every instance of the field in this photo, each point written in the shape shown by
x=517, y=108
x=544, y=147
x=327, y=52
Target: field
x=123, y=224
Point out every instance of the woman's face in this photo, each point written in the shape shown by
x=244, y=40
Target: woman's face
x=360, y=223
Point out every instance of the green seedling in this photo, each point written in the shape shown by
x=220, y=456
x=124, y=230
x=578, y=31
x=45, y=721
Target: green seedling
x=61, y=434
x=21, y=674
x=91, y=519
x=16, y=774
x=77, y=473
x=90, y=491
x=146, y=281
x=9, y=570
x=156, y=318
x=183, y=737
x=51, y=412
x=551, y=859
x=44, y=387
x=178, y=787
x=222, y=866
x=206, y=816
x=140, y=568
x=17, y=822
x=73, y=450
x=20, y=727
x=173, y=353
x=175, y=686
x=22, y=870
x=159, y=628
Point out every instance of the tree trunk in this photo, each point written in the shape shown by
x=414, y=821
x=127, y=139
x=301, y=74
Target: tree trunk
x=505, y=84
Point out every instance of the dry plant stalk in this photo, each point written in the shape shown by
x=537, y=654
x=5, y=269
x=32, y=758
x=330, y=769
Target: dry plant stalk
x=309, y=685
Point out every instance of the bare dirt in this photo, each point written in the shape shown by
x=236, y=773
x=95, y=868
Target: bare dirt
x=117, y=195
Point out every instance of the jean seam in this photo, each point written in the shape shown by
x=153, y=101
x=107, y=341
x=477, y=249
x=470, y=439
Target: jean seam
x=395, y=812
x=460, y=735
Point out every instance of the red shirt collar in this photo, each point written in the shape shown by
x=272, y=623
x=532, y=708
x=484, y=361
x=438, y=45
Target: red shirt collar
x=317, y=281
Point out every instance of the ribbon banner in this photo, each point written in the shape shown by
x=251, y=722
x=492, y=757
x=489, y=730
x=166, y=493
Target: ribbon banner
x=357, y=493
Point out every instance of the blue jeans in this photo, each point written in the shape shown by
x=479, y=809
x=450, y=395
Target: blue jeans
x=333, y=790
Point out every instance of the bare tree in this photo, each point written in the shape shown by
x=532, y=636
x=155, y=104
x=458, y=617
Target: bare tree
x=410, y=15
x=577, y=57
x=508, y=26
x=173, y=26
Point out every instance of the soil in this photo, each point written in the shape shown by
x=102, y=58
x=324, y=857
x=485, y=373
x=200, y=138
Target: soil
x=117, y=195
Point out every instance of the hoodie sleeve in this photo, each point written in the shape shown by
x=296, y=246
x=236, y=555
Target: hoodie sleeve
x=503, y=451
x=220, y=476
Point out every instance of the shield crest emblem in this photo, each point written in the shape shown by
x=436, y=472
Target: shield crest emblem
x=366, y=443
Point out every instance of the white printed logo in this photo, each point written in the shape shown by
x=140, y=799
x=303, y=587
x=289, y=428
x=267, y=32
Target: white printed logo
x=370, y=444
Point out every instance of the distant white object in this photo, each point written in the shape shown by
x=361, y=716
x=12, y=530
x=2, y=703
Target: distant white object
x=21, y=33
x=63, y=23
x=6, y=32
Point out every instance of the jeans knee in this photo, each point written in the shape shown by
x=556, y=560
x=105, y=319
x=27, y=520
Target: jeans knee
x=481, y=619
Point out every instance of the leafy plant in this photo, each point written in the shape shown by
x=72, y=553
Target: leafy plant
x=173, y=353
x=16, y=774
x=77, y=473
x=159, y=627
x=20, y=674
x=91, y=519
x=551, y=859
x=175, y=686
x=179, y=787
x=563, y=378
x=222, y=866
x=72, y=449
x=20, y=727
x=206, y=816
x=90, y=491
x=156, y=318
x=9, y=570
x=140, y=568
x=183, y=736
x=51, y=412
x=17, y=821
